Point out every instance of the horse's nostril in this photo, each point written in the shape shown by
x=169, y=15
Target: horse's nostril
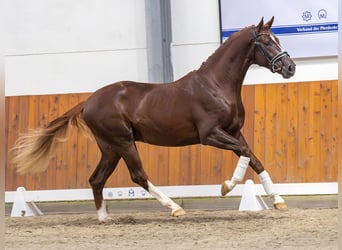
x=291, y=68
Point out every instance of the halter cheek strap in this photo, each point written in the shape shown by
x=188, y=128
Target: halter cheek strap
x=271, y=60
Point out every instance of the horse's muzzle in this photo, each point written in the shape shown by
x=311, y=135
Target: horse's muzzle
x=288, y=70
x=286, y=67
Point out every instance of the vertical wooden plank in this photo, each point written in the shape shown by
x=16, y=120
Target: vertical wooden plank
x=335, y=127
x=13, y=180
x=326, y=130
x=314, y=135
x=270, y=130
x=185, y=166
x=24, y=126
x=281, y=133
x=174, y=163
x=7, y=144
x=293, y=172
x=9, y=135
x=248, y=95
x=259, y=124
x=163, y=169
x=195, y=162
x=229, y=160
x=248, y=99
x=67, y=153
x=52, y=114
x=227, y=166
x=205, y=164
x=215, y=165
x=303, y=129
x=42, y=110
x=73, y=100
x=61, y=151
x=33, y=123
x=156, y=164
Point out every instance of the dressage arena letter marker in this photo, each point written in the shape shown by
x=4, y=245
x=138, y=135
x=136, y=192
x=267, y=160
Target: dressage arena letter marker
x=250, y=201
x=22, y=207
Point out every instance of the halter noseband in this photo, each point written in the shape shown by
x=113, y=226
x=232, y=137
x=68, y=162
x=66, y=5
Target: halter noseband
x=271, y=60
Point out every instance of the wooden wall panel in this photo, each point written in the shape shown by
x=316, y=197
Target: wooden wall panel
x=294, y=173
x=292, y=129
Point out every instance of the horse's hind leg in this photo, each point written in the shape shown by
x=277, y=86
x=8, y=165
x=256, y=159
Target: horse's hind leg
x=139, y=177
x=248, y=158
x=98, y=179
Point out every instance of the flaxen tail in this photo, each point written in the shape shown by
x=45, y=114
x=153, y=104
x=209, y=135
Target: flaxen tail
x=32, y=150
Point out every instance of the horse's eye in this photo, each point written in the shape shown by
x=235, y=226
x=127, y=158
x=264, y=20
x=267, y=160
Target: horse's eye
x=267, y=43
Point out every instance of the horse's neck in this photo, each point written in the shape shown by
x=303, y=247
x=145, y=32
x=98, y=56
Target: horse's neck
x=230, y=62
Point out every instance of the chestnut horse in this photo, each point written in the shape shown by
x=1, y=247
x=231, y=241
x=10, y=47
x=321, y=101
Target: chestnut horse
x=203, y=107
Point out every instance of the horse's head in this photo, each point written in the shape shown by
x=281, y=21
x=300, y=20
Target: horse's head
x=269, y=53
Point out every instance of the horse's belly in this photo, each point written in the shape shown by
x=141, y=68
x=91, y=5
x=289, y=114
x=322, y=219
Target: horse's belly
x=166, y=136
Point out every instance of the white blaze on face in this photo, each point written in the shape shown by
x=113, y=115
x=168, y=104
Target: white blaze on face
x=275, y=41
x=273, y=38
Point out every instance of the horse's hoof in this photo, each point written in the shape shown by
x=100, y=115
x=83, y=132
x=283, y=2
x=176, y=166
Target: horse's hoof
x=224, y=189
x=179, y=212
x=106, y=219
x=280, y=206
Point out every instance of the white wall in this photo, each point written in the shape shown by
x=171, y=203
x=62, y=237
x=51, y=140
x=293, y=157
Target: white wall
x=195, y=33
x=62, y=46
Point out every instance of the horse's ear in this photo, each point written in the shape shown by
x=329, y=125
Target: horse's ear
x=260, y=25
x=268, y=25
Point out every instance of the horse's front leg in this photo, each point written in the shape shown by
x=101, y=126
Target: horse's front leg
x=221, y=139
x=248, y=158
x=139, y=177
x=238, y=175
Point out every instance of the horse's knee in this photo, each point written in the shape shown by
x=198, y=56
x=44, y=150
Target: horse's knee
x=96, y=184
x=92, y=181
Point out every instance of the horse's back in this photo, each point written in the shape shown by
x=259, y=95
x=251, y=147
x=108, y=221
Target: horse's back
x=115, y=93
x=153, y=113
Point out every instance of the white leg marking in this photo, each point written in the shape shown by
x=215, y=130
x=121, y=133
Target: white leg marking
x=238, y=175
x=102, y=212
x=176, y=210
x=267, y=183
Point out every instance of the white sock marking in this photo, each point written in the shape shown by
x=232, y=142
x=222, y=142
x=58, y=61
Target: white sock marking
x=162, y=198
x=267, y=183
x=239, y=172
x=102, y=212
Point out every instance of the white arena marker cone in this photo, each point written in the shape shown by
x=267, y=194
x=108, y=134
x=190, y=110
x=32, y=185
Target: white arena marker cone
x=250, y=201
x=21, y=207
